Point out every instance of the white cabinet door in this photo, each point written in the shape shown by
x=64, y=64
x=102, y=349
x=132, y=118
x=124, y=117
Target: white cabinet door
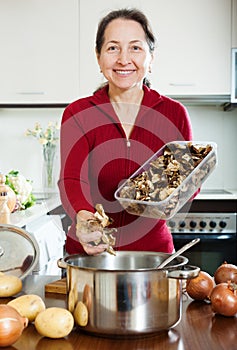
x=39, y=51
x=193, y=51
x=194, y=41
x=234, y=23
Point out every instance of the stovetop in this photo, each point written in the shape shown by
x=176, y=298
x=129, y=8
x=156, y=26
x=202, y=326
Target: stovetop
x=215, y=212
x=203, y=223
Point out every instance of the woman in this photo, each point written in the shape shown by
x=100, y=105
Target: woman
x=107, y=136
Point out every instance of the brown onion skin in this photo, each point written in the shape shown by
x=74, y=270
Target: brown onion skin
x=12, y=325
x=224, y=300
x=226, y=272
x=200, y=287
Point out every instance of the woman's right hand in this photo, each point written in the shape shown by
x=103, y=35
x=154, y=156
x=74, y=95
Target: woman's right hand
x=87, y=239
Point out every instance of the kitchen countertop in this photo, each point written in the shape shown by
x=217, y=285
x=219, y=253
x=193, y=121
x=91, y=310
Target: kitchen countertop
x=47, y=202
x=198, y=329
x=44, y=204
x=217, y=194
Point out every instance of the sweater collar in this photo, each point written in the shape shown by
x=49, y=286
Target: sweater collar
x=101, y=100
x=150, y=99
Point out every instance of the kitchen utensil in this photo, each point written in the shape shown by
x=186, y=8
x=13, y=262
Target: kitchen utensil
x=126, y=294
x=19, y=251
x=23, y=267
x=179, y=252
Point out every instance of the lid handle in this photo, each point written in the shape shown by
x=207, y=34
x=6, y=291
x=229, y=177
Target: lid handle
x=1, y=251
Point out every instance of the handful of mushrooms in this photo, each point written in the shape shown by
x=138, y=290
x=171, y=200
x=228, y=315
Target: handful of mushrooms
x=100, y=222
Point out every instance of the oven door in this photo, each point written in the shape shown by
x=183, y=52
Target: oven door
x=211, y=251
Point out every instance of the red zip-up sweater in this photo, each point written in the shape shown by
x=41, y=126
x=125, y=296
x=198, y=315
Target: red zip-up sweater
x=96, y=156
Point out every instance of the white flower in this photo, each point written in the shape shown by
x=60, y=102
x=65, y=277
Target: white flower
x=22, y=188
x=49, y=136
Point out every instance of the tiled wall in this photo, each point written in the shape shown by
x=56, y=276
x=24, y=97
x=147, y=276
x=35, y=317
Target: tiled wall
x=23, y=153
x=213, y=124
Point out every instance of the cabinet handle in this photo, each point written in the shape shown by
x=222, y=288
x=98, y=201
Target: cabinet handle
x=31, y=93
x=182, y=84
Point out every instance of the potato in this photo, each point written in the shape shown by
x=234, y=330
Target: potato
x=87, y=298
x=54, y=322
x=9, y=285
x=28, y=305
x=81, y=314
x=72, y=299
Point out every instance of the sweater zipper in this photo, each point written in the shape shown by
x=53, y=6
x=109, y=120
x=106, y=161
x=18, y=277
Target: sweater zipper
x=128, y=155
x=122, y=220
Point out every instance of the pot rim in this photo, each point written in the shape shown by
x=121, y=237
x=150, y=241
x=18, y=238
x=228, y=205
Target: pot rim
x=64, y=262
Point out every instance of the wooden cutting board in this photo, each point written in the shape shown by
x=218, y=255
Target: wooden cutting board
x=59, y=287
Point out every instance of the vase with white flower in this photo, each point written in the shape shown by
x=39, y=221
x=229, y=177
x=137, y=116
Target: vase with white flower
x=48, y=138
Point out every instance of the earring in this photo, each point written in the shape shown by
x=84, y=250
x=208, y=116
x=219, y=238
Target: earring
x=149, y=70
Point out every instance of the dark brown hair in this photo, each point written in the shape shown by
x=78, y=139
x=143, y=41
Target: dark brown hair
x=128, y=14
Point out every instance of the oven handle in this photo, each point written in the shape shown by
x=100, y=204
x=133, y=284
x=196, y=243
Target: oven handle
x=220, y=237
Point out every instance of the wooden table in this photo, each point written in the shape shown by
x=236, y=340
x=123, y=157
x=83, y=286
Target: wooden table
x=198, y=329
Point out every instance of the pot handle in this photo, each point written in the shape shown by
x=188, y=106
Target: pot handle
x=61, y=263
x=188, y=271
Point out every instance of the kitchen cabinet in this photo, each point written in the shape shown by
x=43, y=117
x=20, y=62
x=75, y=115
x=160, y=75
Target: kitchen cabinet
x=47, y=48
x=194, y=41
x=234, y=23
x=193, y=54
x=39, y=51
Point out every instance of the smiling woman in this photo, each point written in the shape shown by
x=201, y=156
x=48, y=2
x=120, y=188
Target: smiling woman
x=124, y=62
x=107, y=136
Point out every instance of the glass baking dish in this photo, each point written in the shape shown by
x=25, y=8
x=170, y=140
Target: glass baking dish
x=188, y=173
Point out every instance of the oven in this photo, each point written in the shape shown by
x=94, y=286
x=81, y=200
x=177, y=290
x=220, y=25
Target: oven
x=214, y=222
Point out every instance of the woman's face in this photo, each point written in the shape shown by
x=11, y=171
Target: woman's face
x=125, y=57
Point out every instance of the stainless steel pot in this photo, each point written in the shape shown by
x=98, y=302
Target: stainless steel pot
x=125, y=294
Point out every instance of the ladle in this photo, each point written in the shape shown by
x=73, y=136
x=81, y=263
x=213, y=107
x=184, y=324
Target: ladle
x=179, y=252
x=25, y=265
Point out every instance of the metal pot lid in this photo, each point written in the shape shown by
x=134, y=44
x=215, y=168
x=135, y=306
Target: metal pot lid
x=19, y=251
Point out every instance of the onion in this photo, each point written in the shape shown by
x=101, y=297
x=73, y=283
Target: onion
x=226, y=272
x=224, y=299
x=12, y=325
x=200, y=287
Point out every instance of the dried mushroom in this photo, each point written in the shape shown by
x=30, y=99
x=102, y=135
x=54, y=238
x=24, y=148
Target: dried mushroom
x=165, y=174
x=100, y=222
